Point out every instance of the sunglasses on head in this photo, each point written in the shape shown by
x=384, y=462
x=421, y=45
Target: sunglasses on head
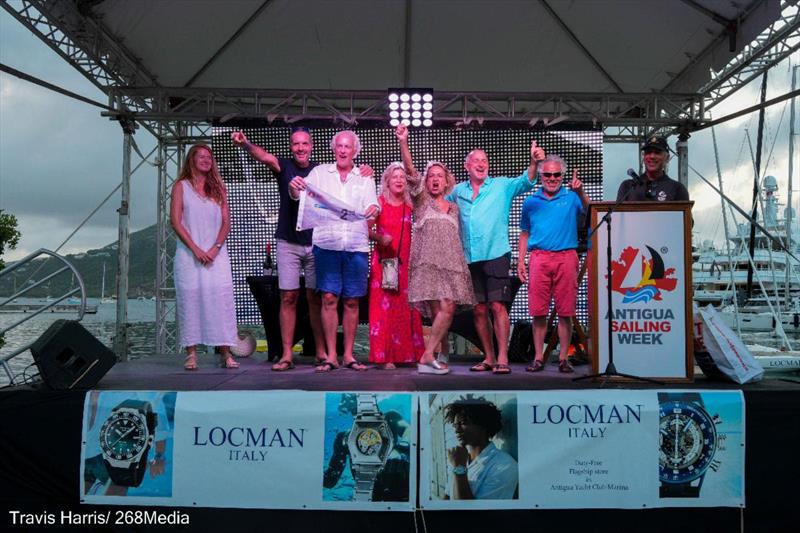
x=551, y=174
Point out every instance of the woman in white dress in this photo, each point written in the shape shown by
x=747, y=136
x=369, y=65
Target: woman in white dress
x=203, y=282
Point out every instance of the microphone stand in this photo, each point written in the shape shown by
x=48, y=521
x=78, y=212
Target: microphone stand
x=611, y=370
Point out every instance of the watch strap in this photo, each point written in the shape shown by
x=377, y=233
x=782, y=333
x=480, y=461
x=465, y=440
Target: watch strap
x=364, y=476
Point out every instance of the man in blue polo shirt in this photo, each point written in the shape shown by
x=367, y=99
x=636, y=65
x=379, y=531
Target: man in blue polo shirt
x=484, y=204
x=549, y=236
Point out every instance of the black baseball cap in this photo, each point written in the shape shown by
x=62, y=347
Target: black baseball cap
x=656, y=143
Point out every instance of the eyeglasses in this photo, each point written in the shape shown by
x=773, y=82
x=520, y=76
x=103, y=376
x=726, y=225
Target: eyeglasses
x=551, y=174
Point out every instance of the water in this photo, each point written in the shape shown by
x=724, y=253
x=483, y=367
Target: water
x=141, y=333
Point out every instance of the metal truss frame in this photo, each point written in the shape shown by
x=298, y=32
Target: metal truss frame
x=178, y=116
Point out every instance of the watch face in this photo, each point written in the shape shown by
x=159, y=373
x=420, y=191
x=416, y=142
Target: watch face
x=123, y=435
x=687, y=441
x=369, y=441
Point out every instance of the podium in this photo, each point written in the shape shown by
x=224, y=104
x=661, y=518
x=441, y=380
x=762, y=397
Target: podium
x=651, y=284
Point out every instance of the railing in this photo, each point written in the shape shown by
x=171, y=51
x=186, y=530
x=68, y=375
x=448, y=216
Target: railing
x=4, y=359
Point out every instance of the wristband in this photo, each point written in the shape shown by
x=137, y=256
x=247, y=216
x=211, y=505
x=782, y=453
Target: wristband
x=218, y=245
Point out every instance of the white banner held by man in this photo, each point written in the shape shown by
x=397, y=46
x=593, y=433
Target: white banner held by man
x=317, y=207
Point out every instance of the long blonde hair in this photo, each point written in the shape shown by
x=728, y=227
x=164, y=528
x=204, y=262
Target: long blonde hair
x=394, y=165
x=214, y=187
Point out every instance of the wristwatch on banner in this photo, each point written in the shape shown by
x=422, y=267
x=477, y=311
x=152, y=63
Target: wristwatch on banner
x=370, y=442
x=687, y=443
x=125, y=438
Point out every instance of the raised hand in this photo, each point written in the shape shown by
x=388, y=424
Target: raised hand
x=401, y=132
x=576, y=184
x=239, y=138
x=297, y=184
x=537, y=154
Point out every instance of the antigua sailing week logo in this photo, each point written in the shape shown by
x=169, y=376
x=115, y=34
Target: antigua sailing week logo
x=653, y=277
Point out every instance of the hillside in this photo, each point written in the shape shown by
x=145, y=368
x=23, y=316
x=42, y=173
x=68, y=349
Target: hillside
x=90, y=265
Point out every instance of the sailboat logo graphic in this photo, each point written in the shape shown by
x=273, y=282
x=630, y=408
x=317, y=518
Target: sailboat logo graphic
x=653, y=277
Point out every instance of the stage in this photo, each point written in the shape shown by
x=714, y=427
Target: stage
x=41, y=441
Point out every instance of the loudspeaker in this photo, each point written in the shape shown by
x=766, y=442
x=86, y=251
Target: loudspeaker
x=69, y=357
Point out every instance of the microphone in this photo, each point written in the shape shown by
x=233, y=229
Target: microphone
x=635, y=176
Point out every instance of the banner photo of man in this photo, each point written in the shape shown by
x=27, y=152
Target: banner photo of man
x=473, y=447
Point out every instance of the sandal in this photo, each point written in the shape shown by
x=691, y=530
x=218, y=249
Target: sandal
x=327, y=366
x=283, y=365
x=387, y=366
x=190, y=363
x=564, y=367
x=535, y=366
x=355, y=365
x=229, y=362
x=483, y=366
x=501, y=368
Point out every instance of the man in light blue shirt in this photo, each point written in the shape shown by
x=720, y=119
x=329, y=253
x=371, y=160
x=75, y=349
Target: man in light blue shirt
x=484, y=205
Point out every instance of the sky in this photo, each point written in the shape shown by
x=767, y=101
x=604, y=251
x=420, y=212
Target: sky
x=59, y=157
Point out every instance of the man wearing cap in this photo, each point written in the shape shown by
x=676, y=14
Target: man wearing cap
x=656, y=186
x=484, y=204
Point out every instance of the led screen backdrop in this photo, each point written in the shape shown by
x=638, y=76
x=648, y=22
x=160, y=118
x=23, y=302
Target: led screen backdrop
x=253, y=192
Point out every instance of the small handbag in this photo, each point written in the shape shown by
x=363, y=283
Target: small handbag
x=390, y=267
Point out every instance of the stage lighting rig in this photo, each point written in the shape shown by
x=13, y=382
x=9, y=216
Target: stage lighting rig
x=411, y=106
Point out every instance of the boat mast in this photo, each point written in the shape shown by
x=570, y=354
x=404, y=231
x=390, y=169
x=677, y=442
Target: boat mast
x=790, y=179
x=754, y=214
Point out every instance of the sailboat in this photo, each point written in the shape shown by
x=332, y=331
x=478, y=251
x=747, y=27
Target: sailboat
x=103, y=299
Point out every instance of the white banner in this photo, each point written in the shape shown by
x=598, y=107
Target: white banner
x=270, y=450
x=648, y=294
x=583, y=449
x=318, y=207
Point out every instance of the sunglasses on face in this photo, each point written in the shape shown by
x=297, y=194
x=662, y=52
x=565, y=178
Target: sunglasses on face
x=551, y=174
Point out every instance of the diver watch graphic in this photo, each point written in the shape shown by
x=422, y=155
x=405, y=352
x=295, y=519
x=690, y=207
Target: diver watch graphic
x=370, y=442
x=125, y=438
x=688, y=441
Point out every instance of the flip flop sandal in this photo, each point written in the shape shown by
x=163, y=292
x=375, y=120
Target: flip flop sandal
x=283, y=366
x=327, y=366
x=536, y=366
x=355, y=365
x=483, y=366
x=501, y=369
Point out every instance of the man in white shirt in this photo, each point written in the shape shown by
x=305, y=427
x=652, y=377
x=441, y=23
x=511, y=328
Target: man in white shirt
x=481, y=471
x=341, y=248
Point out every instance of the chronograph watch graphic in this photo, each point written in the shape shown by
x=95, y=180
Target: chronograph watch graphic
x=688, y=442
x=370, y=442
x=125, y=440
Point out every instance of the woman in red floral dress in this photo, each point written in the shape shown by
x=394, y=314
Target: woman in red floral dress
x=395, y=329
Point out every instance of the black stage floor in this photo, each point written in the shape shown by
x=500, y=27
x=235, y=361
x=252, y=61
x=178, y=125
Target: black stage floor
x=167, y=373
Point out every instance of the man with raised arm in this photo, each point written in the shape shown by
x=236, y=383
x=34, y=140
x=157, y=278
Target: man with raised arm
x=484, y=205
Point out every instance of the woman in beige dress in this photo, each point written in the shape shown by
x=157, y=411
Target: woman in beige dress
x=439, y=280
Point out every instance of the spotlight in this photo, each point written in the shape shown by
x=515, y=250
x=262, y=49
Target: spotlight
x=415, y=106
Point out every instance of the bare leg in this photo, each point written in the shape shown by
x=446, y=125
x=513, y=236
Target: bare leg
x=288, y=321
x=539, y=333
x=330, y=323
x=564, y=336
x=484, y=331
x=502, y=326
x=349, y=326
x=190, y=363
x=315, y=317
x=441, y=324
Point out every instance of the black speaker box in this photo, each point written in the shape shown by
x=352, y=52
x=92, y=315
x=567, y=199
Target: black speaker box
x=69, y=357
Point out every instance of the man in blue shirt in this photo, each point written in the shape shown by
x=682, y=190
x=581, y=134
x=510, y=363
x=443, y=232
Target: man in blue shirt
x=549, y=235
x=484, y=204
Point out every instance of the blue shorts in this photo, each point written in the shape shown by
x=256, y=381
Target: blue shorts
x=341, y=273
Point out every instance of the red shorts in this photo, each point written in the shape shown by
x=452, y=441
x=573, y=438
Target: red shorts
x=552, y=274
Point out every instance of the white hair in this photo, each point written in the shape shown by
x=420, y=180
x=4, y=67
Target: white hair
x=552, y=159
x=466, y=159
x=356, y=141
